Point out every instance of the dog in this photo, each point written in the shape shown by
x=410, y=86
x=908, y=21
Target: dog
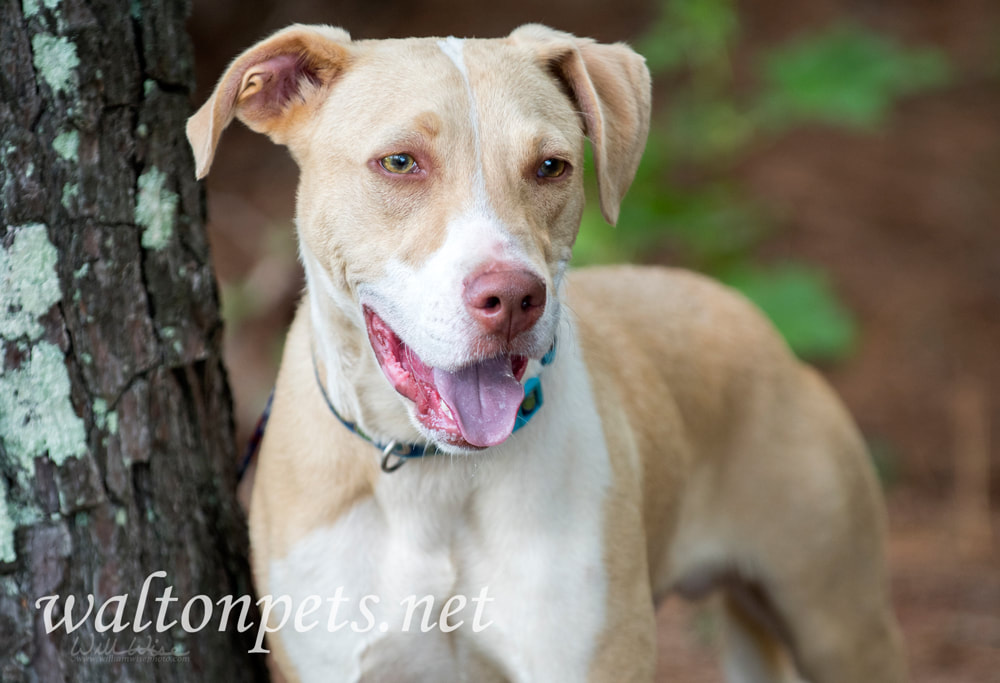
x=590, y=442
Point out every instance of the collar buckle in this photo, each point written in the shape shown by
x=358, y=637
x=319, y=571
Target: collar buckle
x=388, y=452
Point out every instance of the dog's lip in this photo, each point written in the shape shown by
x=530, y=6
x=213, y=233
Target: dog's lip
x=414, y=380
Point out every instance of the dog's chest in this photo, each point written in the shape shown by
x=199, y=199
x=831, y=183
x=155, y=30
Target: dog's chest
x=465, y=569
x=383, y=580
x=440, y=586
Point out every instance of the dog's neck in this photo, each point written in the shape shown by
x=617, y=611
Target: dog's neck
x=351, y=376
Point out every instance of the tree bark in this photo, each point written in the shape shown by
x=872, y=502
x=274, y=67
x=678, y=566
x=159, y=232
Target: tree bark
x=116, y=448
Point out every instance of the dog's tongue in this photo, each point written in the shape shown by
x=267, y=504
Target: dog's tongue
x=484, y=397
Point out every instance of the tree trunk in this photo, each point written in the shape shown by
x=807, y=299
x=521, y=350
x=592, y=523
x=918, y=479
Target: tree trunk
x=116, y=450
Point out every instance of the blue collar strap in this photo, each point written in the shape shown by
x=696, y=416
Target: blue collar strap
x=404, y=451
x=530, y=405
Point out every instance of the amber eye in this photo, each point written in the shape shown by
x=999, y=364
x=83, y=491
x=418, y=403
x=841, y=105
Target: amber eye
x=552, y=168
x=399, y=163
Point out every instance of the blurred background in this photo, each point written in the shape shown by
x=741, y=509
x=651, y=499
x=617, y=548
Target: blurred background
x=836, y=160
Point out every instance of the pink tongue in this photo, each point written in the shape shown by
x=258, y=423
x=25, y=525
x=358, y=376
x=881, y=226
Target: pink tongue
x=485, y=398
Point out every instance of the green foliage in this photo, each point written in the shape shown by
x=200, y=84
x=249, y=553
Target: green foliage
x=848, y=76
x=692, y=33
x=801, y=303
x=685, y=204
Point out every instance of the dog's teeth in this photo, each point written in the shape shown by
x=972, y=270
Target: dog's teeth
x=446, y=411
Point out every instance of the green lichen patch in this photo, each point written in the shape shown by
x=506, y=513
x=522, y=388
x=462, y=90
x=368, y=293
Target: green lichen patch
x=70, y=192
x=36, y=414
x=66, y=144
x=9, y=586
x=33, y=7
x=29, y=286
x=155, y=209
x=105, y=418
x=113, y=422
x=56, y=61
x=100, y=411
x=8, y=553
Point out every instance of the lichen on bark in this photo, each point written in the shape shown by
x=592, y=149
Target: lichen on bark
x=116, y=452
x=155, y=209
x=56, y=61
x=36, y=411
x=29, y=286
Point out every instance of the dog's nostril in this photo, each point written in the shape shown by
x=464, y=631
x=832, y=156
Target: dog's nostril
x=505, y=302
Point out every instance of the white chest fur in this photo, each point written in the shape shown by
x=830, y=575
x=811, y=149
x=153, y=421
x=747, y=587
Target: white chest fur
x=507, y=543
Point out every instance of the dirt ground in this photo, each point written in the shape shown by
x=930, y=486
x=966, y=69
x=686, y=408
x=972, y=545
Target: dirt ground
x=906, y=221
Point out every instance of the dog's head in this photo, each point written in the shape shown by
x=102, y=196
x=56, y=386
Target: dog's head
x=441, y=193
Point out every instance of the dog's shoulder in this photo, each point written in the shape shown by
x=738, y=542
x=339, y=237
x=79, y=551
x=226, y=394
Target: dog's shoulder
x=672, y=311
x=654, y=336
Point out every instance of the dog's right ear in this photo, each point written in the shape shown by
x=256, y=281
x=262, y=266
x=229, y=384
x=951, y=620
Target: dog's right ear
x=268, y=87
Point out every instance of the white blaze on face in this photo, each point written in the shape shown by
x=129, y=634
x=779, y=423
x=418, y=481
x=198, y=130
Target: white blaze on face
x=424, y=305
x=452, y=47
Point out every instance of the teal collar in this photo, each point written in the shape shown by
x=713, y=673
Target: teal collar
x=402, y=452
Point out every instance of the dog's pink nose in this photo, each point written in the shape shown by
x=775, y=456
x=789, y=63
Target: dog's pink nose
x=505, y=302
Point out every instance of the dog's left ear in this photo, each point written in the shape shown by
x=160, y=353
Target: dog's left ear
x=268, y=87
x=611, y=86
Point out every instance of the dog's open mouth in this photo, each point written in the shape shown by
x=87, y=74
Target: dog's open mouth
x=474, y=406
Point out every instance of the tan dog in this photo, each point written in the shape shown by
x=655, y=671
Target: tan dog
x=680, y=446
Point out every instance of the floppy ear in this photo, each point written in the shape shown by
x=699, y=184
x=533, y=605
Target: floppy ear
x=611, y=86
x=268, y=86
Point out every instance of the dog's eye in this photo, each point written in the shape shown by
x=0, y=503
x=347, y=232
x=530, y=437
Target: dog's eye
x=399, y=163
x=552, y=168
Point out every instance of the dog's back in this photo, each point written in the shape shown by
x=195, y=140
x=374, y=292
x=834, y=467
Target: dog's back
x=750, y=473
